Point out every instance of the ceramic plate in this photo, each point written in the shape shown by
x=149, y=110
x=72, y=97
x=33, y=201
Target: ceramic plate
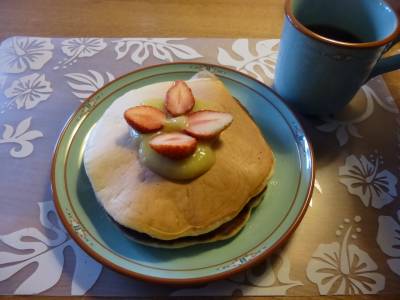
x=283, y=207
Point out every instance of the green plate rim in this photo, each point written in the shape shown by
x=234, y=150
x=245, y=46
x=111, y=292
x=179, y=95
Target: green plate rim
x=75, y=236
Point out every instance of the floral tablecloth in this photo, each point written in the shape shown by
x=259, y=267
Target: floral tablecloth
x=348, y=242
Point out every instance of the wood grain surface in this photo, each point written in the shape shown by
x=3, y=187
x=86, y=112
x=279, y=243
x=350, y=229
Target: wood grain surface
x=151, y=18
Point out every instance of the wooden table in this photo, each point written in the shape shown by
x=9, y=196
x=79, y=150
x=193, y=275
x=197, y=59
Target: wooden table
x=179, y=18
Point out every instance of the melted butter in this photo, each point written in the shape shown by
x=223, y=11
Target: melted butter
x=191, y=167
x=184, y=169
x=200, y=105
x=175, y=124
x=156, y=103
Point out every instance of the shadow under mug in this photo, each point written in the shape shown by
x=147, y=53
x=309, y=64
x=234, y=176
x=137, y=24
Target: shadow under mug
x=329, y=49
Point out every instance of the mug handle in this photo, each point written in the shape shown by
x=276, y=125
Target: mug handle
x=386, y=64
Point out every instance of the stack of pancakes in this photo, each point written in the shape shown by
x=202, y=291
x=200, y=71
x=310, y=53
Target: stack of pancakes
x=156, y=211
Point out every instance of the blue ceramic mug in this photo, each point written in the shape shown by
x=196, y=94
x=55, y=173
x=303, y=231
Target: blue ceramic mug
x=329, y=48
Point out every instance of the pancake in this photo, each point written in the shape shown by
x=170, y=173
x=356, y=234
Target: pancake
x=223, y=232
x=139, y=199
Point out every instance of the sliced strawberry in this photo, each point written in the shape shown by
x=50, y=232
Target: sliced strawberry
x=174, y=145
x=179, y=99
x=207, y=124
x=145, y=118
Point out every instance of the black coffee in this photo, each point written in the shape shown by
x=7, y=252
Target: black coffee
x=334, y=33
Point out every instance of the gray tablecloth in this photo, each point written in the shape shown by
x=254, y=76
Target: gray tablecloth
x=348, y=242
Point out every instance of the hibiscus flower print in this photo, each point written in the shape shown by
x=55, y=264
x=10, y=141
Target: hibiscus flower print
x=343, y=268
x=364, y=178
x=29, y=91
x=140, y=49
x=388, y=239
x=78, y=48
x=19, y=54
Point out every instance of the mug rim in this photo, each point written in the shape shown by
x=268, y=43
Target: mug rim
x=298, y=25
